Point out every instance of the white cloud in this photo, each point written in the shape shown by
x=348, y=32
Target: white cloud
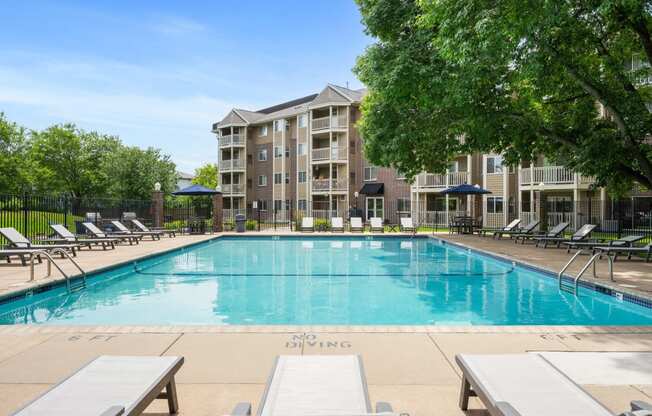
x=174, y=25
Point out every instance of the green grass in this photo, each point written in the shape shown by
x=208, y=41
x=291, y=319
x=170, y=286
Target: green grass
x=37, y=221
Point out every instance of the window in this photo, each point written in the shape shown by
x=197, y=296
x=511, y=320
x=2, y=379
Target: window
x=262, y=131
x=287, y=177
x=278, y=204
x=262, y=154
x=262, y=180
x=370, y=173
x=262, y=205
x=454, y=166
x=278, y=152
x=302, y=205
x=278, y=125
x=494, y=164
x=303, y=120
x=287, y=204
x=494, y=204
x=278, y=178
x=287, y=151
x=301, y=177
x=301, y=149
x=400, y=175
x=403, y=205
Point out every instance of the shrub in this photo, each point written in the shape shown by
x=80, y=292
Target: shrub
x=322, y=224
x=251, y=225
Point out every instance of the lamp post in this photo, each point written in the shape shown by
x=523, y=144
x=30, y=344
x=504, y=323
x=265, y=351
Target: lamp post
x=355, y=202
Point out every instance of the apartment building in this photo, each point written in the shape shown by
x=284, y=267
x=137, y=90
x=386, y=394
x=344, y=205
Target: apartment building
x=306, y=155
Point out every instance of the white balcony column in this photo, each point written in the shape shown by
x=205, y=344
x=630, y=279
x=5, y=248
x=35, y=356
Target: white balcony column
x=232, y=167
x=532, y=187
x=447, y=215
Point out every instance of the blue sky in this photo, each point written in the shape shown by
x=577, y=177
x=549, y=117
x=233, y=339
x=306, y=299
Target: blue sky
x=159, y=73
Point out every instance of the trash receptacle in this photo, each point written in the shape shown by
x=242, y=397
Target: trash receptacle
x=240, y=223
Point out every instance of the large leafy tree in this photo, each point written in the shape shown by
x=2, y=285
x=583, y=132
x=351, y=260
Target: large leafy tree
x=14, y=165
x=206, y=175
x=515, y=76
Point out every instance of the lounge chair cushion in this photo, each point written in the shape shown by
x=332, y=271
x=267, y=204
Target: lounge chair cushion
x=529, y=384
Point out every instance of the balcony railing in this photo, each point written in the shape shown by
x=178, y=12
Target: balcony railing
x=429, y=180
x=329, y=122
x=232, y=140
x=326, y=153
x=236, y=188
x=551, y=175
x=321, y=185
x=232, y=164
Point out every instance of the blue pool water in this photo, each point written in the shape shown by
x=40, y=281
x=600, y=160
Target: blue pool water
x=315, y=280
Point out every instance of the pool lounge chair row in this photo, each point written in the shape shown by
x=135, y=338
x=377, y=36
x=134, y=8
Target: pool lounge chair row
x=508, y=385
x=356, y=224
x=23, y=248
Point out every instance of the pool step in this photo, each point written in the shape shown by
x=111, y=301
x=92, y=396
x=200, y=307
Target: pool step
x=76, y=285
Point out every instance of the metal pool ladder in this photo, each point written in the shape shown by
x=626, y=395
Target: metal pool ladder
x=572, y=288
x=71, y=286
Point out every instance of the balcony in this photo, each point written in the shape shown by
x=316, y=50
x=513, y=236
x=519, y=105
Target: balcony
x=334, y=122
x=232, y=164
x=232, y=140
x=551, y=175
x=326, y=185
x=434, y=181
x=326, y=154
x=236, y=188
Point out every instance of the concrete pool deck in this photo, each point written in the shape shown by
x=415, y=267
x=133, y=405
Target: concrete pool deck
x=412, y=367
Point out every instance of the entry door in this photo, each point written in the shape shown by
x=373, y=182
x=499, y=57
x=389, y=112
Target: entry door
x=375, y=207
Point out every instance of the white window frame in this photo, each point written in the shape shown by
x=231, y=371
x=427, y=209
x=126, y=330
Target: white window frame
x=302, y=176
x=368, y=170
x=262, y=180
x=287, y=178
x=303, y=120
x=494, y=158
x=262, y=131
x=491, y=205
x=301, y=149
x=279, y=125
x=262, y=151
x=278, y=152
x=302, y=205
x=278, y=178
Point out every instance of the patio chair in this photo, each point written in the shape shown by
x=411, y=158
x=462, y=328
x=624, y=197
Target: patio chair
x=20, y=242
x=23, y=254
x=66, y=236
x=315, y=385
x=154, y=235
x=355, y=225
x=307, y=224
x=162, y=231
x=523, y=385
x=645, y=250
x=555, y=231
x=509, y=227
x=627, y=241
x=337, y=224
x=97, y=233
x=579, y=235
x=527, y=230
x=407, y=226
x=376, y=225
x=111, y=385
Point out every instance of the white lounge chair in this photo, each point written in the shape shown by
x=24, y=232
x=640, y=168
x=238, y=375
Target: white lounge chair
x=110, y=385
x=19, y=242
x=509, y=227
x=154, y=235
x=407, y=225
x=523, y=385
x=97, y=233
x=337, y=224
x=307, y=224
x=144, y=228
x=23, y=254
x=315, y=385
x=376, y=225
x=355, y=224
x=66, y=236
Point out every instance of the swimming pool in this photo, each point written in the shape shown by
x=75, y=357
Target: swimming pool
x=306, y=280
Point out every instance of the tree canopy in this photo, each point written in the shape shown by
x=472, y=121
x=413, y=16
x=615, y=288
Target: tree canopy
x=206, y=175
x=64, y=159
x=566, y=79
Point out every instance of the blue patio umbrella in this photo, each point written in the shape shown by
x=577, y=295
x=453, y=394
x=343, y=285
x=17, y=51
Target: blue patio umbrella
x=194, y=190
x=465, y=189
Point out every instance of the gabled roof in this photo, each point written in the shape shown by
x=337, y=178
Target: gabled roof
x=288, y=104
x=334, y=94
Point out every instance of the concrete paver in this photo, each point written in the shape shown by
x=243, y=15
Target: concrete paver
x=14, y=396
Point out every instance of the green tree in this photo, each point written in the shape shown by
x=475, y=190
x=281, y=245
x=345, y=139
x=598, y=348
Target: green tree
x=206, y=175
x=14, y=164
x=67, y=160
x=512, y=76
x=134, y=171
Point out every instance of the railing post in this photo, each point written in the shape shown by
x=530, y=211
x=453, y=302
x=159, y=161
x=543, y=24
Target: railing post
x=274, y=219
x=258, y=213
x=25, y=214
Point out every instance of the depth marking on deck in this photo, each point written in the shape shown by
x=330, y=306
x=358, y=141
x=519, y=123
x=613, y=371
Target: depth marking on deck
x=298, y=341
x=91, y=338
